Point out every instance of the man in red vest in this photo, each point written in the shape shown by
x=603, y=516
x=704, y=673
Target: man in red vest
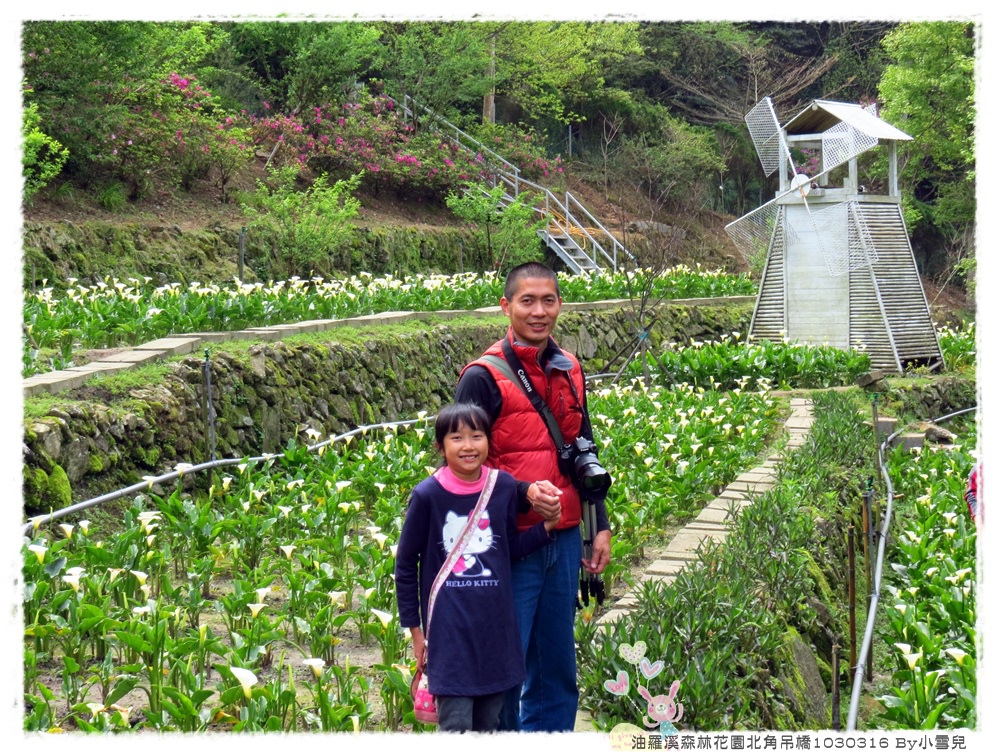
x=545, y=583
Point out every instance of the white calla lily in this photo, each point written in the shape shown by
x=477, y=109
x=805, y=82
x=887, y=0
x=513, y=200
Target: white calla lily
x=245, y=677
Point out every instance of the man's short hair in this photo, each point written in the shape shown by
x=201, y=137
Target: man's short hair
x=528, y=270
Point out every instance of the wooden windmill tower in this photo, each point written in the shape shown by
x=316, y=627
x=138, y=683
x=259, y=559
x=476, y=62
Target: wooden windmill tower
x=838, y=266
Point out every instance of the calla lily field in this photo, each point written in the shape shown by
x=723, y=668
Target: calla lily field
x=261, y=598
x=111, y=313
x=229, y=607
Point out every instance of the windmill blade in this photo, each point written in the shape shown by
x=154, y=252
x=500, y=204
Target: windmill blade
x=752, y=232
x=849, y=249
x=843, y=142
x=765, y=131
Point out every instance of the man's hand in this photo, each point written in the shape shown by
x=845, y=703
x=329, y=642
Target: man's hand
x=544, y=499
x=600, y=553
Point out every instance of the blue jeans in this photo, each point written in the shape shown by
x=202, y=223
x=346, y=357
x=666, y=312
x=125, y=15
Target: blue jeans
x=545, y=588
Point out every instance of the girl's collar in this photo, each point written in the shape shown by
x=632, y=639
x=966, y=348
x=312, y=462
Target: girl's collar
x=446, y=477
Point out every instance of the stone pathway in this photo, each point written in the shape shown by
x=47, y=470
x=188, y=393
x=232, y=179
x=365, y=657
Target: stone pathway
x=711, y=523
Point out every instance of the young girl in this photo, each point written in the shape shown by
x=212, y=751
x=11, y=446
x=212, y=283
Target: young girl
x=476, y=653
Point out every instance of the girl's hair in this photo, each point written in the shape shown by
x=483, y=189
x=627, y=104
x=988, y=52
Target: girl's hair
x=451, y=417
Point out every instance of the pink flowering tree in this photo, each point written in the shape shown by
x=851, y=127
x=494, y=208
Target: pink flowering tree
x=368, y=137
x=116, y=95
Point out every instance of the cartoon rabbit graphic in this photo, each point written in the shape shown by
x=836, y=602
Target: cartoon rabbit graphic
x=662, y=709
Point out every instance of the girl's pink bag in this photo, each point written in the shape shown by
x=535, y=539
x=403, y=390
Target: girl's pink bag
x=424, y=708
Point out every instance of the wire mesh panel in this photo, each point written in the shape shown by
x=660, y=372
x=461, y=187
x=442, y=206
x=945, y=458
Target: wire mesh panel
x=764, y=131
x=844, y=238
x=843, y=142
x=752, y=233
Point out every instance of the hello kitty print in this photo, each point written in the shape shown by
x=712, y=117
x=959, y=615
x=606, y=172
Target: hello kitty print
x=469, y=565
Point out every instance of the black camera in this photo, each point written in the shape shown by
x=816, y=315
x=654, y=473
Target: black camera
x=578, y=461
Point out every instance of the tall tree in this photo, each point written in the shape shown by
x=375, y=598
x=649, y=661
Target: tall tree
x=715, y=72
x=304, y=64
x=548, y=69
x=928, y=93
x=441, y=65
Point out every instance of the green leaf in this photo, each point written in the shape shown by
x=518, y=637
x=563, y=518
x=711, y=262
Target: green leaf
x=120, y=688
x=55, y=567
x=134, y=641
x=233, y=695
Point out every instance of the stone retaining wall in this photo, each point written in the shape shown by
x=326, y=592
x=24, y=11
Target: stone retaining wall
x=92, y=442
x=56, y=251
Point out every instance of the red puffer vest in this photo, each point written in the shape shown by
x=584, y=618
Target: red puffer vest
x=521, y=442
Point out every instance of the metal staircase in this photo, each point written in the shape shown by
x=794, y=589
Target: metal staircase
x=573, y=234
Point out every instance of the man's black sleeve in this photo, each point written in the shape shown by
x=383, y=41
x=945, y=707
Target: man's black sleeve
x=476, y=385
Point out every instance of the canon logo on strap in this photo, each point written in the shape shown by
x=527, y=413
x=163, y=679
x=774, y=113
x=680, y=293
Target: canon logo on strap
x=528, y=387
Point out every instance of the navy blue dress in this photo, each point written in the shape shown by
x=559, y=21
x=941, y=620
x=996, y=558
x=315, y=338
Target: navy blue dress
x=475, y=647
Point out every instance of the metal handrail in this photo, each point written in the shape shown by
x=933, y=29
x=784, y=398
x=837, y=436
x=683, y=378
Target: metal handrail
x=569, y=221
x=859, y=668
x=615, y=243
x=595, y=244
x=504, y=171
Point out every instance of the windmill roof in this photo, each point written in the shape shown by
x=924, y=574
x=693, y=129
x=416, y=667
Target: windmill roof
x=824, y=114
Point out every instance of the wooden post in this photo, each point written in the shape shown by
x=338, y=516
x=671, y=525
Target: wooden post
x=875, y=432
x=835, y=691
x=243, y=234
x=851, y=599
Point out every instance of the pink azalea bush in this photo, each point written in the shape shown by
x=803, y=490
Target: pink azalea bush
x=523, y=148
x=372, y=137
x=167, y=135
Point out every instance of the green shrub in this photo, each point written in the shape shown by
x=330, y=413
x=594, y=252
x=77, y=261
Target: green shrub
x=958, y=345
x=507, y=230
x=310, y=223
x=729, y=362
x=42, y=157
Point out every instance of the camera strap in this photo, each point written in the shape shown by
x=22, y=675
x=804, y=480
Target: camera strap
x=589, y=584
x=513, y=370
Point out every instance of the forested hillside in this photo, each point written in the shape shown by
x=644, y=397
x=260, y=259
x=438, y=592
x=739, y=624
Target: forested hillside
x=179, y=119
